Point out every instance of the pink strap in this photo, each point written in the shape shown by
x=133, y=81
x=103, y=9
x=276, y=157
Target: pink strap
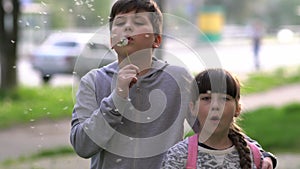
x=256, y=154
x=192, y=152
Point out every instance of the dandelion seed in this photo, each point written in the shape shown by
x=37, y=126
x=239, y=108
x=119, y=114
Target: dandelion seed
x=103, y=114
x=32, y=120
x=43, y=3
x=37, y=27
x=86, y=128
x=62, y=9
x=70, y=10
x=14, y=67
x=32, y=127
x=118, y=160
x=65, y=108
x=123, y=42
x=148, y=118
x=83, y=17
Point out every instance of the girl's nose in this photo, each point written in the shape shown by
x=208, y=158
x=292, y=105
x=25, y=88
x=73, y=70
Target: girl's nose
x=215, y=104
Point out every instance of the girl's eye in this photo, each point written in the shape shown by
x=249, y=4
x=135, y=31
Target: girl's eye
x=206, y=98
x=225, y=98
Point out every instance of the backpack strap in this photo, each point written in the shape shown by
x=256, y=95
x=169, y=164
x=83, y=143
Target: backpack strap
x=192, y=152
x=256, y=154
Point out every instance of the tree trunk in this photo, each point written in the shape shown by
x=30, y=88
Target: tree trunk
x=8, y=44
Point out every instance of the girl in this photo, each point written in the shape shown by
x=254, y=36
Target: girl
x=221, y=143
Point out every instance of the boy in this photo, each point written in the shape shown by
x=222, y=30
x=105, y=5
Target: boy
x=130, y=112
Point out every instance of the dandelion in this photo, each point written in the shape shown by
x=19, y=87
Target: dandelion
x=123, y=42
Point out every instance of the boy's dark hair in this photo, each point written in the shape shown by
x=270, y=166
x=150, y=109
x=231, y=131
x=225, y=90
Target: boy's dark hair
x=125, y=6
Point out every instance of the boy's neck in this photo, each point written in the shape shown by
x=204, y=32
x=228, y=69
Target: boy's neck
x=143, y=60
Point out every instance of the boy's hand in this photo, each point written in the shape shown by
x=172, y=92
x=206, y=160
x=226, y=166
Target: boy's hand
x=267, y=163
x=126, y=78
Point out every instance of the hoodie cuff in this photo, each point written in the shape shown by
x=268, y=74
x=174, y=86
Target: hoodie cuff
x=120, y=103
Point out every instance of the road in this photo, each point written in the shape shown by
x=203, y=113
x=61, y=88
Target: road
x=236, y=56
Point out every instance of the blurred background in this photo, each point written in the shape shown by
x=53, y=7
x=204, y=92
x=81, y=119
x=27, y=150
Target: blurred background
x=47, y=45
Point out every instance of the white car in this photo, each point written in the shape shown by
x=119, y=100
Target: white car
x=71, y=53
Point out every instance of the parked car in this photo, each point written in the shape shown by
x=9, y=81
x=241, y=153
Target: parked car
x=71, y=53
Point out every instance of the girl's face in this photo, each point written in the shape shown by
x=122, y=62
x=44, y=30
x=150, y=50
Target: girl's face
x=216, y=112
x=138, y=30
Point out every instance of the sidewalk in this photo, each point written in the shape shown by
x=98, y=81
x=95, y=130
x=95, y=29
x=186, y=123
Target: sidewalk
x=29, y=139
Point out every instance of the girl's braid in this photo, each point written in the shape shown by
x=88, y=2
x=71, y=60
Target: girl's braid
x=236, y=136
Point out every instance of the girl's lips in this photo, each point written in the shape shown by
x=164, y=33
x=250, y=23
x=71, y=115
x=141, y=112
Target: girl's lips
x=215, y=118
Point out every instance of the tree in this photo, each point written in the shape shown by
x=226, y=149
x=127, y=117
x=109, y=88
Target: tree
x=9, y=14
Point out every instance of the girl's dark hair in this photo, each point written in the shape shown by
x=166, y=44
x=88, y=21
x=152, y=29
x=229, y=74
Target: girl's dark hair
x=217, y=80
x=125, y=6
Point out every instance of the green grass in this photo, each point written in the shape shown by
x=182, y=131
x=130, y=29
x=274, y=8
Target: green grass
x=47, y=153
x=263, y=81
x=29, y=104
x=276, y=129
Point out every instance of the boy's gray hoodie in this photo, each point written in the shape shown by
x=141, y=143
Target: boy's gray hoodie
x=129, y=133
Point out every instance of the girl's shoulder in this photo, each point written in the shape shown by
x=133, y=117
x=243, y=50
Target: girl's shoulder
x=180, y=148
